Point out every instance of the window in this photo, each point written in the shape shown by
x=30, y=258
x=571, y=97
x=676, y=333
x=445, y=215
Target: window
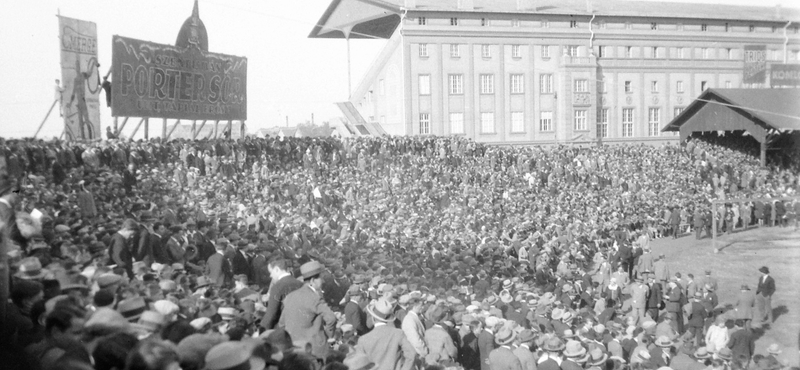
x=369, y=96
x=424, y=84
x=653, y=86
x=580, y=120
x=424, y=123
x=627, y=122
x=677, y=111
x=422, y=21
x=628, y=52
x=727, y=28
x=546, y=84
x=705, y=53
x=545, y=51
x=457, y=123
x=515, y=51
x=601, y=51
x=381, y=87
x=679, y=87
x=572, y=50
x=546, y=121
x=653, y=121
x=601, y=86
x=486, y=51
x=487, y=122
x=455, y=51
x=545, y=24
x=454, y=21
x=423, y=50
x=628, y=87
x=729, y=53
x=573, y=24
x=517, y=122
x=628, y=26
x=752, y=28
x=581, y=86
x=487, y=84
x=484, y=22
x=515, y=23
x=682, y=53
x=704, y=27
x=703, y=85
x=517, y=84
x=727, y=84
x=654, y=26
x=654, y=52
x=602, y=123
x=456, y=84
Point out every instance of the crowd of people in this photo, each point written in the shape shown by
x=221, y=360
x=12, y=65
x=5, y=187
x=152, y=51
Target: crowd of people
x=376, y=253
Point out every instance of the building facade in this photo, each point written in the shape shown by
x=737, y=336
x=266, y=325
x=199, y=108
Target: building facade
x=525, y=71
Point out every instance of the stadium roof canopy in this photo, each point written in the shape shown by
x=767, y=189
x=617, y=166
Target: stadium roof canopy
x=379, y=18
x=760, y=112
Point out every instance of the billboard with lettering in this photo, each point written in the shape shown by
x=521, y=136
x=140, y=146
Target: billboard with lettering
x=755, y=64
x=164, y=81
x=784, y=75
x=79, y=92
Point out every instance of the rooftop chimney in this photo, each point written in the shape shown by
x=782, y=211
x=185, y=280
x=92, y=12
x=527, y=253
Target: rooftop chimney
x=466, y=5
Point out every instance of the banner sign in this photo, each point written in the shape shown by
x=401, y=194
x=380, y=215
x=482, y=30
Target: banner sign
x=784, y=75
x=755, y=64
x=156, y=80
x=79, y=96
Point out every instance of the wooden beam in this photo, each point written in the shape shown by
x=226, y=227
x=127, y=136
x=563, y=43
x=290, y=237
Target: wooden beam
x=147, y=128
x=45, y=118
x=194, y=128
x=216, y=128
x=118, y=130
x=137, y=127
x=164, y=129
x=228, y=129
x=194, y=134
x=178, y=122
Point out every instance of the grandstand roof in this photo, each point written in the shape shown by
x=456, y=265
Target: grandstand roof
x=379, y=18
x=729, y=109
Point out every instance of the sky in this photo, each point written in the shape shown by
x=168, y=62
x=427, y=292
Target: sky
x=288, y=73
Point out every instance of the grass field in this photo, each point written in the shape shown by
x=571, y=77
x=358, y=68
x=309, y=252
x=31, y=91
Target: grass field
x=737, y=263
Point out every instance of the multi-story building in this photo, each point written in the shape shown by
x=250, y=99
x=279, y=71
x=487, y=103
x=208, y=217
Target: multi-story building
x=536, y=71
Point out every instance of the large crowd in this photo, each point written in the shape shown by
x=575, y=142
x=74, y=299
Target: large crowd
x=391, y=253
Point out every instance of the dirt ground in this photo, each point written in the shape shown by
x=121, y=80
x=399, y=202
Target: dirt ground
x=741, y=255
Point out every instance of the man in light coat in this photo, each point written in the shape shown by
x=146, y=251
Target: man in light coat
x=413, y=328
x=385, y=345
x=638, y=299
x=306, y=316
x=744, y=306
x=523, y=350
x=502, y=357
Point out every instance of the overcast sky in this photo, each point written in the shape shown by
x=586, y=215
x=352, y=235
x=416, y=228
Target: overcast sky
x=288, y=73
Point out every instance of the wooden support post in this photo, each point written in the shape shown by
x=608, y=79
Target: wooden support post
x=178, y=122
x=118, y=130
x=116, y=124
x=194, y=129
x=228, y=129
x=764, y=153
x=45, y=117
x=714, y=226
x=242, y=129
x=147, y=128
x=194, y=136
x=216, y=128
x=164, y=129
x=137, y=127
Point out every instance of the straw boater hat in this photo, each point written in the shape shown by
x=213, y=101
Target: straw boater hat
x=311, y=269
x=574, y=349
x=382, y=310
x=505, y=336
x=663, y=341
x=597, y=357
x=774, y=349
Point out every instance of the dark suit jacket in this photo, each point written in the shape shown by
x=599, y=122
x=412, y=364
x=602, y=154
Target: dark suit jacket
x=469, y=355
x=766, y=287
x=240, y=265
x=308, y=318
x=654, y=296
x=697, y=315
x=485, y=345
x=742, y=344
x=354, y=315
x=277, y=293
x=119, y=252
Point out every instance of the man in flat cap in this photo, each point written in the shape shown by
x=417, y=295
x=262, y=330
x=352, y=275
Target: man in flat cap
x=306, y=316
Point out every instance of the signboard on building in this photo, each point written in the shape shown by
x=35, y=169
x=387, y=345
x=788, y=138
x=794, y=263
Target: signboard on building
x=755, y=64
x=784, y=75
x=184, y=81
x=79, y=94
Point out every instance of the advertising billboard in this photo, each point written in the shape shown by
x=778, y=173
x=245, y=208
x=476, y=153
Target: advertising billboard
x=755, y=64
x=79, y=94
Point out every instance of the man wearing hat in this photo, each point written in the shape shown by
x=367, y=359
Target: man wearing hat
x=764, y=292
x=385, y=345
x=638, y=298
x=353, y=313
x=118, y=250
x=742, y=343
x=306, y=316
x=551, y=359
x=523, y=350
x=696, y=315
x=502, y=357
x=218, y=268
x=282, y=284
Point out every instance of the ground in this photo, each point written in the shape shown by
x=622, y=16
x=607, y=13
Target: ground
x=740, y=256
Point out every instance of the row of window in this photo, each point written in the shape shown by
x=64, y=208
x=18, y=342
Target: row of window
x=604, y=51
x=580, y=122
x=423, y=21
x=517, y=84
